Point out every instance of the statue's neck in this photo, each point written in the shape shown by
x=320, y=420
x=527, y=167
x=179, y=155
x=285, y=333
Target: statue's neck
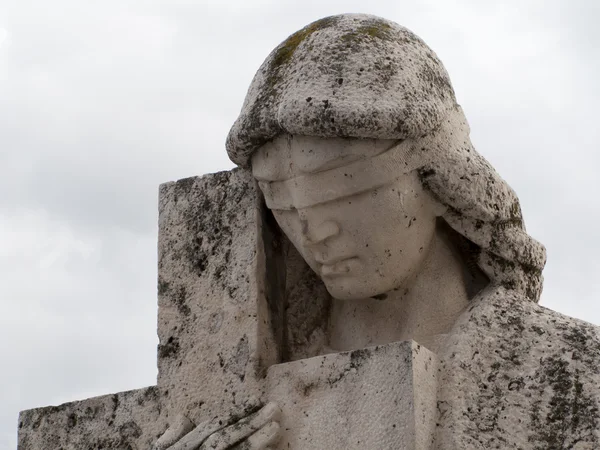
x=423, y=310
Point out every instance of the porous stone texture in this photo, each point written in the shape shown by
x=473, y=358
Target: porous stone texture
x=306, y=304
x=129, y=420
x=214, y=322
x=515, y=375
x=375, y=398
x=351, y=75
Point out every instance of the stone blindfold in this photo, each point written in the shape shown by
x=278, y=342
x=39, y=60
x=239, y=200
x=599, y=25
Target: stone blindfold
x=357, y=177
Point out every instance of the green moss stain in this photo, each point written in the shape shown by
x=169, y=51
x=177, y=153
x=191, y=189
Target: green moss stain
x=272, y=78
x=379, y=30
x=286, y=50
x=374, y=29
x=258, y=129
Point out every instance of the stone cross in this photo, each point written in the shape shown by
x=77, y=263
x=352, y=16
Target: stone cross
x=221, y=291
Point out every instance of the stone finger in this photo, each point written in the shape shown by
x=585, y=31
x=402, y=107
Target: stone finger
x=263, y=438
x=194, y=439
x=228, y=436
x=181, y=426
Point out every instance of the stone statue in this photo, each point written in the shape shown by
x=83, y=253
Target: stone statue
x=353, y=134
x=352, y=130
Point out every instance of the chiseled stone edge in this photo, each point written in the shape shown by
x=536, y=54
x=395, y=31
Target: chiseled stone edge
x=390, y=389
x=214, y=322
x=129, y=420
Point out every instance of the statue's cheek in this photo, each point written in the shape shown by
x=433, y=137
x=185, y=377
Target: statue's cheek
x=291, y=225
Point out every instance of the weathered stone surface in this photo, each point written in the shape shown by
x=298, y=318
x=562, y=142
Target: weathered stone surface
x=307, y=304
x=375, y=398
x=214, y=322
x=517, y=375
x=129, y=420
x=344, y=76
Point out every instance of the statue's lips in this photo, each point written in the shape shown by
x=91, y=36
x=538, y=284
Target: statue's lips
x=337, y=268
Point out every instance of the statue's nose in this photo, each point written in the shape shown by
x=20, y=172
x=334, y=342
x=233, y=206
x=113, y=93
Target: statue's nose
x=314, y=231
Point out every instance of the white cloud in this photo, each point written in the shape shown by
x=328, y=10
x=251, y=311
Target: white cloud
x=71, y=325
x=3, y=36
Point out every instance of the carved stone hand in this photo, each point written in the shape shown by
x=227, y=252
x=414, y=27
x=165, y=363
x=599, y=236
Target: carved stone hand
x=254, y=432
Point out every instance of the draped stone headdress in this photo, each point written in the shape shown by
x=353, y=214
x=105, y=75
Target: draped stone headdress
x=360, y=76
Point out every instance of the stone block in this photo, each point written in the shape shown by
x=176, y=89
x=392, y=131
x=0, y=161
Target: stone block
x=376, y=398
x=125, y=421
x=215, y=327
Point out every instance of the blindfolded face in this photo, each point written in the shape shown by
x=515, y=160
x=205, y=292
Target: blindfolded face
x=354, y=208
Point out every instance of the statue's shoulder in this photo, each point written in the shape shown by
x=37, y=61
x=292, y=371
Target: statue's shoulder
x=509, y=317
x=525, y=375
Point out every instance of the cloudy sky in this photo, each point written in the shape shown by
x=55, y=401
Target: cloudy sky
x=102, y=101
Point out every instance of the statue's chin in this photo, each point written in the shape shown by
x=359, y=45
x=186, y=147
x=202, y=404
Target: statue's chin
x=361, y=282
x=349, y=290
